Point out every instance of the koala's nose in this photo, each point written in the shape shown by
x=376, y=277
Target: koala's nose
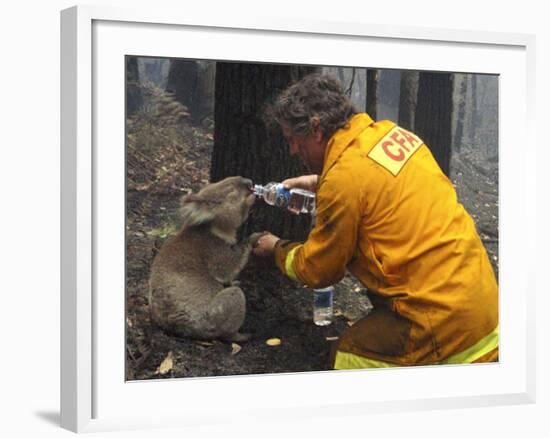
x=248, y=183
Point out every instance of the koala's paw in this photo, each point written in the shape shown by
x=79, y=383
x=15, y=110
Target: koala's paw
x=254, y=237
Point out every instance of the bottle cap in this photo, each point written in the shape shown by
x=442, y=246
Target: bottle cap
x=258, y=190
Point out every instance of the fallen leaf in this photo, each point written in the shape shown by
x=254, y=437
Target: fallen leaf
x=235, y=348
x=162, y=231
x=166, y=365
x=273, y=342
x=331, y=338
x=357, y=289
x=204, y=343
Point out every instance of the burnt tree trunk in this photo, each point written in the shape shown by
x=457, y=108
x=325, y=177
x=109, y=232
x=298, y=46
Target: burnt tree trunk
x=475, y=116
x=134, y=98
x=460, y=112
x=191, y=83
x=341, y=76
x=408, y=92
x=433, y=115
x=242, y=144
x=372, y=92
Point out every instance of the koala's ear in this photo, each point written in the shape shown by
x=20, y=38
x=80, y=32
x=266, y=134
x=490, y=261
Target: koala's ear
x=196, y=211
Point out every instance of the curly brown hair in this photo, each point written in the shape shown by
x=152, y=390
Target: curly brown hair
x=315, y=95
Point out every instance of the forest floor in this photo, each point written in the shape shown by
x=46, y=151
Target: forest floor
x=157, y=177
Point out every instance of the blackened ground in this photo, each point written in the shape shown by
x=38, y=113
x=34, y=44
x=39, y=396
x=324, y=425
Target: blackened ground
x=476, y=181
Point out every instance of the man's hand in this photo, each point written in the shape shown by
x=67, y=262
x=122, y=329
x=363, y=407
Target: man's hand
x=265, y=246
x=305, y=182
x=254, y=237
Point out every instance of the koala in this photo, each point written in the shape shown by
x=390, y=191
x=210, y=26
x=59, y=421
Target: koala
x=192, y=287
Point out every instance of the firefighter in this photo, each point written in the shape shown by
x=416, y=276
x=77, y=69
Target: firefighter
x=387, y=214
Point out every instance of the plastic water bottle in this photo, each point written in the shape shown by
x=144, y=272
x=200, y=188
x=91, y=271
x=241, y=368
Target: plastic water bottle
x=294, y=200
x=322, y=305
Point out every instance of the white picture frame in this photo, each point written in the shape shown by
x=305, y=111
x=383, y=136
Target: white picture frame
x=94, y=397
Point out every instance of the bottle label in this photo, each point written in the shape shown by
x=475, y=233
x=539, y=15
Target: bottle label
x=282, y=198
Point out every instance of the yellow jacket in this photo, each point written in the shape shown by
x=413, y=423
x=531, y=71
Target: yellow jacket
x=388, y=214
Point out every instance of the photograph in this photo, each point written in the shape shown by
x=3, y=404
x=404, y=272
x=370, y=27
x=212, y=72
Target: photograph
x=285, y=218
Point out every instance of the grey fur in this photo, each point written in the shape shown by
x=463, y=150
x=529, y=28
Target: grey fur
x=193, y=292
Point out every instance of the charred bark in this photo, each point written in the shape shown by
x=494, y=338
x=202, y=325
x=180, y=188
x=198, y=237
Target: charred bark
x=408, y=92
x=372, y=92
x=134, y=98
x=191, y=83
x=433, y=115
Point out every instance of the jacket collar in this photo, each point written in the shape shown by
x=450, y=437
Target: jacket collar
x=342, y=138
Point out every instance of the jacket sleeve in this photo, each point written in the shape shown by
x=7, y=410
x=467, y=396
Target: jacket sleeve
x=322, y=259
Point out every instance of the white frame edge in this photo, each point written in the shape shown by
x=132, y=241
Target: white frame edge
x=76, y=219
x=532, y=285
x=77, y=197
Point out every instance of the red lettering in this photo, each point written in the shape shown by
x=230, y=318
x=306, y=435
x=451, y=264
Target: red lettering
x=396, y=157
x=395, y=137
x=409, y=137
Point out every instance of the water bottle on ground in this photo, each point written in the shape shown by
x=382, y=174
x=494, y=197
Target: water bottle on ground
x=295, y=200
x=322, y=305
